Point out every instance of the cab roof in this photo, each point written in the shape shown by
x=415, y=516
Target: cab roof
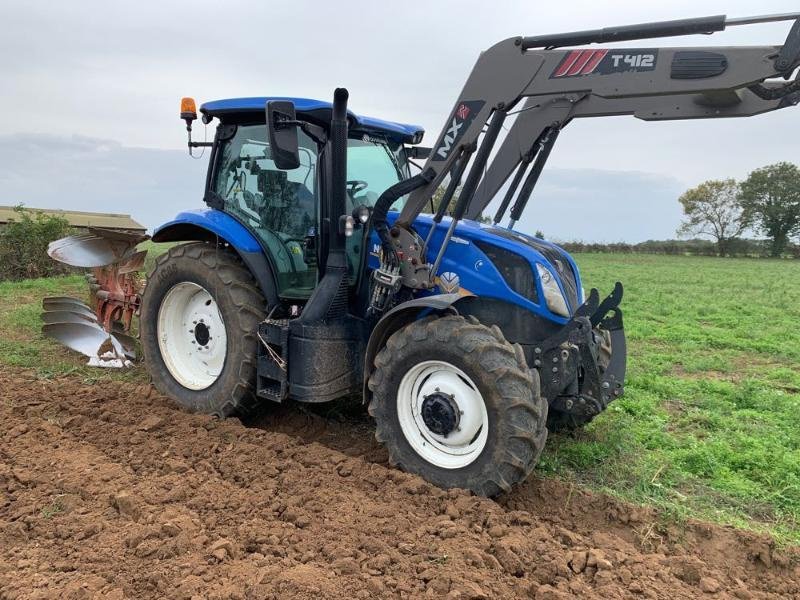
x=235, y=109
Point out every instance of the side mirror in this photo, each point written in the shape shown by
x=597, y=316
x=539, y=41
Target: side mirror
x=282, y=128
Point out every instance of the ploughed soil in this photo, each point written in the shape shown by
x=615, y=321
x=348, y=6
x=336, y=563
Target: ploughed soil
x=113, y=492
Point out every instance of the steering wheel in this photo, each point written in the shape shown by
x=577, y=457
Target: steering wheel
x=356, y=185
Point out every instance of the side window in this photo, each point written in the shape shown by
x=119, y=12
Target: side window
x=373, y=165
x=280, y=207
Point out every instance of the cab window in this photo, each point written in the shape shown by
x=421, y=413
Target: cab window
x=373, y=165
x=280, y=207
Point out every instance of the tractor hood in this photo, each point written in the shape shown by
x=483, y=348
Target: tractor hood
x=495, y=262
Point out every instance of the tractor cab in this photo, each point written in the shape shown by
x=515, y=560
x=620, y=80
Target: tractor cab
x=282, y=208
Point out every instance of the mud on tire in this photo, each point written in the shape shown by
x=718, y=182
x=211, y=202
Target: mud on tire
x=242, y=308
x=517, y=414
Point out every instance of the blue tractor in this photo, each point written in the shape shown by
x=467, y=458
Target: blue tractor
x=323, y=267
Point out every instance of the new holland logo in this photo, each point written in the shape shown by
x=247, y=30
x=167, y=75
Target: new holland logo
x=449, y=282
x=460, y=121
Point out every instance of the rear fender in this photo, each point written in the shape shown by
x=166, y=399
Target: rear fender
x=221, y=228
x=398, y=317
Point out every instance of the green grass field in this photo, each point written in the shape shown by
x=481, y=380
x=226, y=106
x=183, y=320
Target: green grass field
x=710, y=423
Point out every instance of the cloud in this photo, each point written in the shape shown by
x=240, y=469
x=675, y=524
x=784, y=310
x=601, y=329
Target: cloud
x=116, y=71
x=82, y=173
x=603, y=206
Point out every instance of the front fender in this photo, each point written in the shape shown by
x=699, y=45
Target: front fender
x=216, y=226
x=399, y=316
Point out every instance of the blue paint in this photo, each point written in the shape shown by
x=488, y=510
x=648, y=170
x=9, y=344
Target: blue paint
x=232, y=106
x=475, y=270
x=217, y=222
x=483, y=279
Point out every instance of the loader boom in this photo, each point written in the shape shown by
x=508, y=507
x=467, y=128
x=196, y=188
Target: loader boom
x=547, y=88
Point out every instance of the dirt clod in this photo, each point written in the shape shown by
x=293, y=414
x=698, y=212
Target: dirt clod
x=709, y=585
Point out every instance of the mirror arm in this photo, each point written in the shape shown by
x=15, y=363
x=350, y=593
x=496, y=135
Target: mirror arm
x=315, y=132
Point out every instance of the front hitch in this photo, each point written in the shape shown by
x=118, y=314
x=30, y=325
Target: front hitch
x=582, y=367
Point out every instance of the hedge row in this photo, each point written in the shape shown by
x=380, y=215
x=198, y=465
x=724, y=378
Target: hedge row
x=739, y=247
x=23, y=245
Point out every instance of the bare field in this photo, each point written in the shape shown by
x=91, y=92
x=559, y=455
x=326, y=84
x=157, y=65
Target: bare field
x=116, y=493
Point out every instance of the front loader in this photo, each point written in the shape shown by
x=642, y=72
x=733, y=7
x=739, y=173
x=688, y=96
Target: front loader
x=314, y=274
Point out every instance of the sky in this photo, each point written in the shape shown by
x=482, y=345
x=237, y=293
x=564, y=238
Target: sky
x=91, y=91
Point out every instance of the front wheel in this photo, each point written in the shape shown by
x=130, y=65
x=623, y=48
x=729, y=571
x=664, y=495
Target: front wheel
x=455, y=403
x=198, y=329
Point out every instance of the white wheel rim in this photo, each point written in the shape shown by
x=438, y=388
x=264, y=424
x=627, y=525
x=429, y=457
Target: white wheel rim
x=463, y=445
x=191, y=335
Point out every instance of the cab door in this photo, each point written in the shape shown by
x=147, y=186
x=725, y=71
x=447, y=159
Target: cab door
x=280, y=207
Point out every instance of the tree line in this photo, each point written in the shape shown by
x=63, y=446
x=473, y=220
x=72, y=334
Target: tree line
x=739, y=247
x=767, y=203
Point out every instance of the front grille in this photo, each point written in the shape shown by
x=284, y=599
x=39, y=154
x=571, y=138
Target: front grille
x=556, y=257
x=516, y=271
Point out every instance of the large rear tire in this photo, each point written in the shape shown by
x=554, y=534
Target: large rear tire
x=199, y=329
x=455, y=403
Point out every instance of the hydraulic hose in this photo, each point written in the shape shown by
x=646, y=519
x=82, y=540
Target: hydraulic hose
x=381, y=209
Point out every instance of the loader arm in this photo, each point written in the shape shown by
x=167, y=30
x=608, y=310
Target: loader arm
x=547, y=88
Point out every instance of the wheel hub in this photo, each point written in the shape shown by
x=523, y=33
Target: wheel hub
x=201, y=334
x=440, y=413
x=191, y=335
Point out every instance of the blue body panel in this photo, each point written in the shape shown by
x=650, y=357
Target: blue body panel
x=218, y=222
x=475, y=270
x=220, y=108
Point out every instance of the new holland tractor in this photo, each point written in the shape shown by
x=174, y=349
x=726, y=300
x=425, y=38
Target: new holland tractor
x=320, y=267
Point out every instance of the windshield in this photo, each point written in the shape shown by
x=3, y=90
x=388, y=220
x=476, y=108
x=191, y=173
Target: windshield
x=373, y=164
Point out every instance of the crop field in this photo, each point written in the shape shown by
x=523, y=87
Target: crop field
x=710, y=423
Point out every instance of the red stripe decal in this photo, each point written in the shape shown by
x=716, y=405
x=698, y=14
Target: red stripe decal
x=584, y=58
x=592, y=64
x=568, y=62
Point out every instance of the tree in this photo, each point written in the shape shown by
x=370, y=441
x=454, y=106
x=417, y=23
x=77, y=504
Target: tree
x=713, y=209
x=770, y=198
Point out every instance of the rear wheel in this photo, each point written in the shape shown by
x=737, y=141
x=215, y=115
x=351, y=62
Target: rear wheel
x=455, y=403
x=198, y=328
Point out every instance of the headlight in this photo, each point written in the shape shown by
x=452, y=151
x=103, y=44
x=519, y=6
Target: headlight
x=552, y=294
